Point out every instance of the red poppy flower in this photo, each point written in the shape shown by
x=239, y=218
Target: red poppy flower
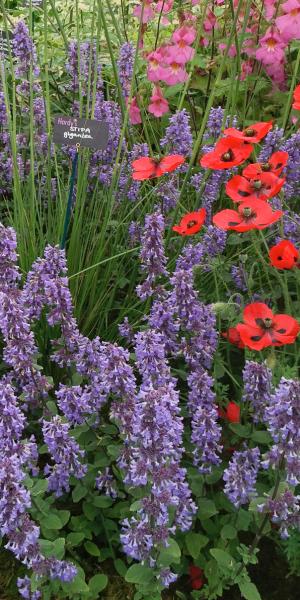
x=275, y=164
x=261, y=328
x=228, y=152
x=261, y=187
x=254, y=133
x=191, y=223
x=296, y=103
x=147, y=168
x=233, y=336
x=251, y=214
x=196, y=577
x=284, y=255
x=232, y=412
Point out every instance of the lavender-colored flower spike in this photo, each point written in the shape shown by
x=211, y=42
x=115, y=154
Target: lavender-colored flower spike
x=125, y=67
x=214, y=123
x=24, y=50
x=178, y=137
x=257, y=378
x=240, y=476
x=285, y=511
x=24, y=587
x=292, y=147
x=283, y=421
x=65, y=453
x=9, y=271
x=152, y=255
x=74, y=402
x=47, y=286
x=271, y=143
x=105, y=481
x=154, y=454
x=213, y=243
x=206, y=433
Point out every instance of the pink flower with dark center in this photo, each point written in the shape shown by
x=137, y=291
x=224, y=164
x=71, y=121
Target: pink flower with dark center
x=289, y=23
x=271, y=48
x=158, y=104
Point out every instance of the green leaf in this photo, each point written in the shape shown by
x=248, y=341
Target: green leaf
x=51, y=522
x=102, y=501
x=228, y=532
x=170, y=554
x=243, y=431
x=261, y=437
x=120, y=567
x=92, y=549
x=224, y=559
x=98, y=583
x=90, y=511
x=39, y=488
x=79, y=492
x=195, y=542
x=207, y=509
x=76, y=586
x=64, y=516
x=139, y=574
x=74, y=539
x=249, y=591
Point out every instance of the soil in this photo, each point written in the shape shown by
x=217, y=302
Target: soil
x=271, y=577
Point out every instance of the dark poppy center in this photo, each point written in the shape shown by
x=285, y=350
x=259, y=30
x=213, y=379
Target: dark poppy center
x=247, y=212
x=249, y=132
x=191, y=224
x=257, y=184
x=266, y=166
x=227, y=156
x=268, y=323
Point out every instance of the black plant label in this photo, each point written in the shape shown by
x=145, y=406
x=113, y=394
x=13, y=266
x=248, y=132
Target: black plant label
x=83, y=132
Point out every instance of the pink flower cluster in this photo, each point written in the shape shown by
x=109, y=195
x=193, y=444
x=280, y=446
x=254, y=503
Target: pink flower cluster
x=166, y=64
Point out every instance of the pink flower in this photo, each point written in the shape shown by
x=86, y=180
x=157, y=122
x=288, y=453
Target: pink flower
x=155, y=60
x=289, y=23
x=184, y=36
x=134, y=113
x=210, y=21
x=232, y=49
x=271, y=48
x=174, y=72
x=158, y=105
x=247, y=68
x=148, y=12
x=270, y=7
x=164, y=6
x=276, y=73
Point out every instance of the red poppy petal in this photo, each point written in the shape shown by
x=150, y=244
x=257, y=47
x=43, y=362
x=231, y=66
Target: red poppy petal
x=170, y=163
x=285, y=325
x=143, y=164
x=233, y=412
x=238, y=188
x=227, y=219
x=254, y=337
x=254, y=311
x=278, y=161
x=259, y=130
x=284, y=255
x=253, y=170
